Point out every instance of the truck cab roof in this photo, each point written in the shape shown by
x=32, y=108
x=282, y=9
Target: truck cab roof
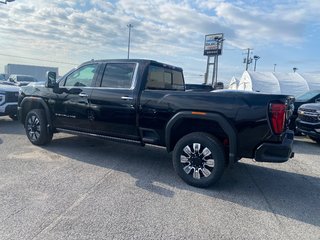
x=140, y=61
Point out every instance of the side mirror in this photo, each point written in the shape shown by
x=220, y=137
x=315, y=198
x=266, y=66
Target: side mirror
x=317, y=100
x=51, y=80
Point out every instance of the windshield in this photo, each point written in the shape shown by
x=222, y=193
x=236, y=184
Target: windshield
x=307, y=96
x=26, y=79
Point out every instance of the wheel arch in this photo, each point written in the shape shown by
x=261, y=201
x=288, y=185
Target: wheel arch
x=217, y=123
x=29, y=103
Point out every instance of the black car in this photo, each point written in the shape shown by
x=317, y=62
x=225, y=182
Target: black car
x=308, y=121
x=307, y=97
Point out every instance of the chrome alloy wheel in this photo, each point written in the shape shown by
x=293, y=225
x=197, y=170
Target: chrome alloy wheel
x=197, y=160
x=33, y=127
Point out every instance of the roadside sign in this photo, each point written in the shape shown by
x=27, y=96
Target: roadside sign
x=213, y=44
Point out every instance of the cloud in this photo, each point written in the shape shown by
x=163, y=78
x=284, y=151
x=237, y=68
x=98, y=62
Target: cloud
x=173, y=30
x=159, y=21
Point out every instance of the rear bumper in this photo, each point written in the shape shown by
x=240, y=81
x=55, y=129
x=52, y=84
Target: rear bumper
x=276, y=152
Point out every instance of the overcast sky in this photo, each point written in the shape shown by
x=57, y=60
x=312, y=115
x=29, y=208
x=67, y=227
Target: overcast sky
x=282, y=32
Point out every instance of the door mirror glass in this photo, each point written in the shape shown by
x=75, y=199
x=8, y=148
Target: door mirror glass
x=51, y=80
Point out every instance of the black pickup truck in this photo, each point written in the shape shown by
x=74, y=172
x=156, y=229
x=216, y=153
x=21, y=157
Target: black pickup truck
x=145, y=102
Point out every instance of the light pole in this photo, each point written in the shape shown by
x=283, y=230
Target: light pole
x=294, y=69
x=6, y=1
x=274, y=67
x=129, y=26
x=256, y=58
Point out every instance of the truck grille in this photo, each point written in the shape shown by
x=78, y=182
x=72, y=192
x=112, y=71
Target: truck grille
x=308, y=110
x=311, y=119
x=12, y=96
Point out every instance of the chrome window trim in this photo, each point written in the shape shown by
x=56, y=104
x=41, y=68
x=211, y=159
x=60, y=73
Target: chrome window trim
x=133, y=82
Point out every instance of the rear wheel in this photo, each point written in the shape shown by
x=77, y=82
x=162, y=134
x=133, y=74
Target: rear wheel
x=36, y=127
x=198, y=158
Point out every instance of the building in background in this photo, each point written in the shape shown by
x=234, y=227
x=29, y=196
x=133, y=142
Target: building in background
x=38, y=72
x=279, y=83
x=234, y=83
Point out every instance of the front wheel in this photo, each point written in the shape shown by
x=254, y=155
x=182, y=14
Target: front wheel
x=36, y=127
x=198, y=158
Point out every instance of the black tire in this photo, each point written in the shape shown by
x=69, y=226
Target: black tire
x=189, y=164
x=36, y=127
x=317, y=140
x=14, y=117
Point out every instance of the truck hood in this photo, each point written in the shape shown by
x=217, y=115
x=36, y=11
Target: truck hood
x=311, y=106
x=9, y=88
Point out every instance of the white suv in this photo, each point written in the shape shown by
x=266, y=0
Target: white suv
x=9, y=100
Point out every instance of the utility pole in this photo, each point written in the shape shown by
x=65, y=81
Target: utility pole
x=248, y=60
x=129, y=39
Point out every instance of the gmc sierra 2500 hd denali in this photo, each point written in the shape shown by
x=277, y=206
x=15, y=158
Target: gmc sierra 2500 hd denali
x=145, y=102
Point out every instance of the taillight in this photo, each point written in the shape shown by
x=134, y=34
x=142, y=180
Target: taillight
x=278, y=117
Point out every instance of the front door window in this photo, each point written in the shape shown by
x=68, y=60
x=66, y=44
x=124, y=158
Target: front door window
x=82, y=77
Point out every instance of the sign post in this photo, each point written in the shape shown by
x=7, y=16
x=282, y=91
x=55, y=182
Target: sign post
x=213, y=44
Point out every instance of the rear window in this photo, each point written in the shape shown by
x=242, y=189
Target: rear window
x=307, y=96
x=161, y=78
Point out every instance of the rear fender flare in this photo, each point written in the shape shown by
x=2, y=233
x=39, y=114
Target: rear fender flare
x=227, y=127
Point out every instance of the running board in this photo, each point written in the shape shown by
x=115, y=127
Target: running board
x=115, y=139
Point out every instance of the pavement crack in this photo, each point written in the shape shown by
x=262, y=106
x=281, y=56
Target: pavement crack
x=76, y=203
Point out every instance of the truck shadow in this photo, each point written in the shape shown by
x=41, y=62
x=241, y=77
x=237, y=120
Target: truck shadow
x=287, y=194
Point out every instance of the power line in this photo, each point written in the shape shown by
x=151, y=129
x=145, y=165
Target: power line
x=37, y=59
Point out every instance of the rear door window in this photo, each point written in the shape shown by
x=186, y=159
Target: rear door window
x=118, y=75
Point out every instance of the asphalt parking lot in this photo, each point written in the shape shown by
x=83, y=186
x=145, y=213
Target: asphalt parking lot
x=82, y=188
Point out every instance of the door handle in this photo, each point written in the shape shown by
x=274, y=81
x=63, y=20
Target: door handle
x=83, y=95
x=126, y=98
